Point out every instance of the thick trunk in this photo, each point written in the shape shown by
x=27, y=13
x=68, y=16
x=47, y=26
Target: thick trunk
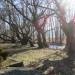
x=40, y=44
x=70, y=45
x=31, y=42
x=13, y=40
x=70, y=61
x=44, y=40
x=71, y=50
x=25, y=40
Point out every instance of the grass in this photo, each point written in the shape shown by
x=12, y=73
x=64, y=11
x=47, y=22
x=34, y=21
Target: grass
x=5, y=45
x=41, y=54
x=36, y=55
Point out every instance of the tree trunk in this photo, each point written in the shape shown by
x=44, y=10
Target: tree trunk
x=40, y=44
x=71, y=50
x=25, y=40
x=70, y=33
x=31, y=42
x=44, y=40
x=13, y=40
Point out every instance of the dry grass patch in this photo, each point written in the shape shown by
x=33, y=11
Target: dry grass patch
x=5, y=45
x=37, y=55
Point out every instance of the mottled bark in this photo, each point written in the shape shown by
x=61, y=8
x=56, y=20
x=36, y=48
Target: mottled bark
x=44, y=40
x=40, y=44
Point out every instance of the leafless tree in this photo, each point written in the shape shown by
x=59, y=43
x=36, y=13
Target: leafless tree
x=69, y=30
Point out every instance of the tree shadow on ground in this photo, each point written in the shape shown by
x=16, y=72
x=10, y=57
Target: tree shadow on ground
x=22, y=72
x=57, y=67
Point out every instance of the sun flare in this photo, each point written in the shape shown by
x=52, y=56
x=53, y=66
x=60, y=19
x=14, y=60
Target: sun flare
x=69, y=3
